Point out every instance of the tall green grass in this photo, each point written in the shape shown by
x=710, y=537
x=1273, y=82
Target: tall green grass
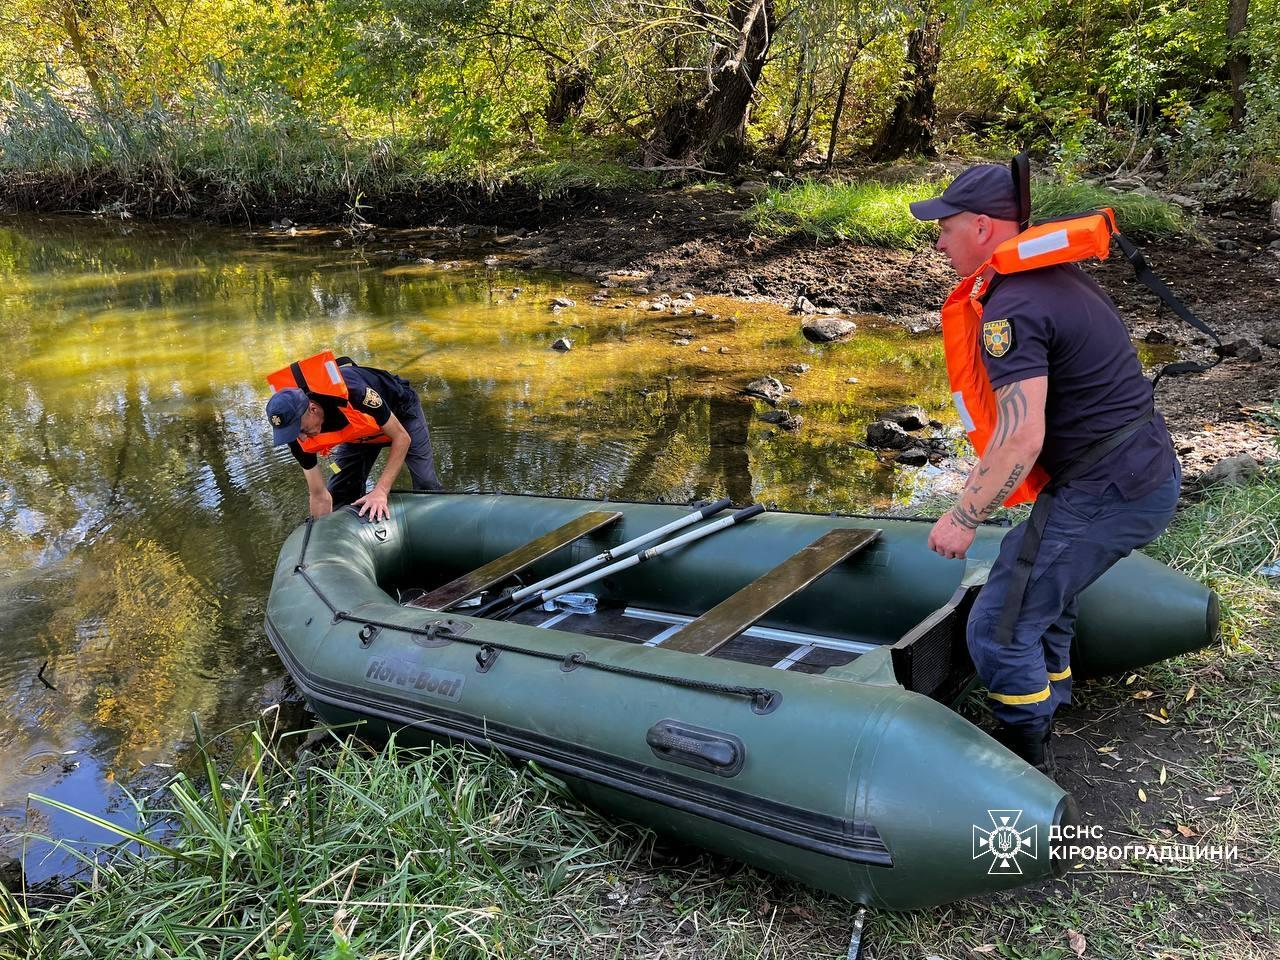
x=217, y=155
x=1222, y=540
x=1136, y=213
x=224, y=154
x=877, y=214
x=867, y=212
x=439, y=853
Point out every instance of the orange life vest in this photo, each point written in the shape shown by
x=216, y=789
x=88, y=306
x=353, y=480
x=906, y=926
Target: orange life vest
x=319, y=376
x=1060, y=241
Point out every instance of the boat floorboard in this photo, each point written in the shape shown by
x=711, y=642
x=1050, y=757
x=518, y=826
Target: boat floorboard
x=615, y=623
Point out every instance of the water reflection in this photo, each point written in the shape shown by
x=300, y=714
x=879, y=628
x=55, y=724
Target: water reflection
x=141, y=505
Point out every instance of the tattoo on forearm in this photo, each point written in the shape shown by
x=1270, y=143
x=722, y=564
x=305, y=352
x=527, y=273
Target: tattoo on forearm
x=1011, y=409
x=969, y=518
x=965, y=517
x=1015, y=474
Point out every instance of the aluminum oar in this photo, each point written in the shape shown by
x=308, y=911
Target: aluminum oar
x=636, y=558
x=616, y=553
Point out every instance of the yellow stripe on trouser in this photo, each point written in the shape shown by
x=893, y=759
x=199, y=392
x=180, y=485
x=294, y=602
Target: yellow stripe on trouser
x=1060, y=676
x=1016, y=698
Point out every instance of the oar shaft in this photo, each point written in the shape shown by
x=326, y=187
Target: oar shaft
x=655, y=551
x=615, y=552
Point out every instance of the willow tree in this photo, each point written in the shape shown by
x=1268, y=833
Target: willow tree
x=910, y=127
x=719, y=53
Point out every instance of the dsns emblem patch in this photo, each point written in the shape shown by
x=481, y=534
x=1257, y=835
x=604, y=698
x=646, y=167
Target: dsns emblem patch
x=997, y=337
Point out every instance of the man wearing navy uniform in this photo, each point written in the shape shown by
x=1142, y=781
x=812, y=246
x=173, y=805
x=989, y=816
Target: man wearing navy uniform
x=1065, y=375
x=392, y=404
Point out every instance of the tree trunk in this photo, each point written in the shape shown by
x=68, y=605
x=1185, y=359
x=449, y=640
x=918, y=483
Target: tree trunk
x=1237, y=57
x=910, y=126
x=569, y=87
x=803, y=71
x=835, y=119
x=80, y=44
x=709, y=125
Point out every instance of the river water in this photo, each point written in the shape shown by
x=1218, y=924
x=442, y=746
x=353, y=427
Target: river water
x=142, y=504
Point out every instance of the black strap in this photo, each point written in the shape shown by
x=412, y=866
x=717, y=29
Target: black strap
x=1034, y=532
x=1020, y=167
x=1142, y=270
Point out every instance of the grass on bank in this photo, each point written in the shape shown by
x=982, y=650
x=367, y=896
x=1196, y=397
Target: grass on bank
x=224, y=154
x=877, y=214
x=357, y=853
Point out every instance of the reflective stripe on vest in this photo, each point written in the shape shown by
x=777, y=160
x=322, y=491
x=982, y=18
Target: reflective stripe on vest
x=321, y=377
x=1061, y=241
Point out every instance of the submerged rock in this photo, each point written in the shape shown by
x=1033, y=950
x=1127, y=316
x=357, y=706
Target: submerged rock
x=804, y=305
x=563, y=344
x=563, y=302
x=914, y=457
x=827, y=329
x=797, y=368
x=766, y=388
x=887, y=435
x=908, y=417
x=780, y=418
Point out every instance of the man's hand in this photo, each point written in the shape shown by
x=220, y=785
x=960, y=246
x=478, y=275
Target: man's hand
x=375, y=501
x=321, y=503
x=949, y=538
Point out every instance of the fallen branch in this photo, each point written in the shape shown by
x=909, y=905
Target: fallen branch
x=40, y=676
x=679, y=169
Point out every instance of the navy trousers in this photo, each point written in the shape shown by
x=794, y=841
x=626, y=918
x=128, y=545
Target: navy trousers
x=1029, y=678
x=354, y=461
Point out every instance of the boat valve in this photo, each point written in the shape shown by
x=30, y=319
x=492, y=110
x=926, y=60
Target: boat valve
x=765, y=701
x=485, y=658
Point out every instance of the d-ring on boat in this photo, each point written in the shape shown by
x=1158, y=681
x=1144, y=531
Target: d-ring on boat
x=779, y=689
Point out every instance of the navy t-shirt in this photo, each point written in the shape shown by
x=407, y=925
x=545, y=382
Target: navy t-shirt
x=369, y=390
x=1061, y=324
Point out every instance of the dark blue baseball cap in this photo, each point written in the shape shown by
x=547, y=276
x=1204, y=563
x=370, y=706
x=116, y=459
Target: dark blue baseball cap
x=285, y=410
x=986, y=188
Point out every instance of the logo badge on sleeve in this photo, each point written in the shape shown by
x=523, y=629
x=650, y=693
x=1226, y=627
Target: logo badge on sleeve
x=371, y=398
x=997, y=337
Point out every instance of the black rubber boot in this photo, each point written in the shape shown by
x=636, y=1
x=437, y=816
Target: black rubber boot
x=1031, y=741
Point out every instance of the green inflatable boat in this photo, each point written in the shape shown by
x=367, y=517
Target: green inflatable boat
x=778, y=688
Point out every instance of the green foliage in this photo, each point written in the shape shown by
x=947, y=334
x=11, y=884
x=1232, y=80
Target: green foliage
x=173, y=98
x=863, y=211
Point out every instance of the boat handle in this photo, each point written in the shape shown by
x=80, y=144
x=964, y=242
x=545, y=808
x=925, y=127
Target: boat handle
x=719, y=753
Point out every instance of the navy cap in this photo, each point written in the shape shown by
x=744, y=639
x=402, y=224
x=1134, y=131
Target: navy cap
x=285, y=410
x=987, y=188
